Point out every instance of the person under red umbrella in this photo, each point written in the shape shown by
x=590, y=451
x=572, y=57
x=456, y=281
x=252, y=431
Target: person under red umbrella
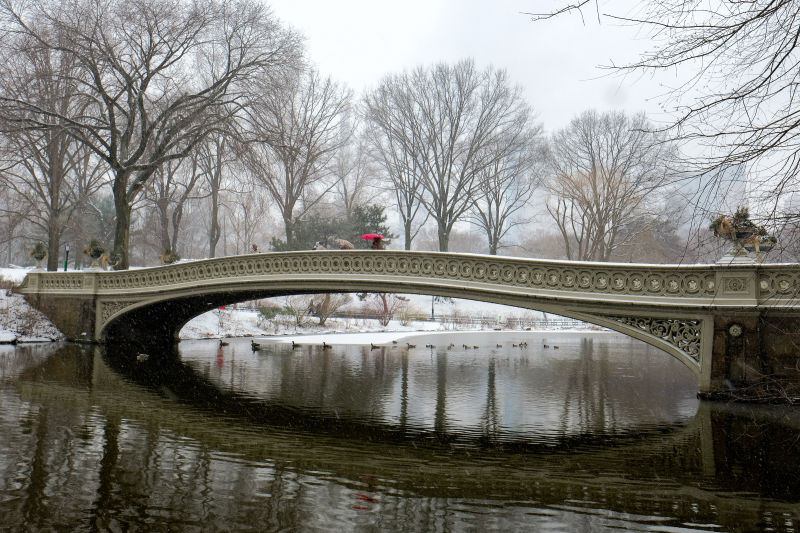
x=377, y=240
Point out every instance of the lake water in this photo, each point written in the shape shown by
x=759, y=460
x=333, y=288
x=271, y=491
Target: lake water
x=572, y=432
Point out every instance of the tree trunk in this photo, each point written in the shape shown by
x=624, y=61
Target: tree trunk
x=214, y=231
x=289, y=228
x=386, y=316
x=122, y=230
x=162, y=204
x=53, y=241
x=177, y=216
x=444, y=238
x=407, y=233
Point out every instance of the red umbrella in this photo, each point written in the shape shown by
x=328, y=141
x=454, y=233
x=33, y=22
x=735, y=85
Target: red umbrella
x=372, y=236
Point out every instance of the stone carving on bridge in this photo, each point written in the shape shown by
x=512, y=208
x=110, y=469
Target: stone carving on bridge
x=737, y=284
x=110, y=309
x=639, y=280
x=781, y=284
x=682, y=333
x=60, y=281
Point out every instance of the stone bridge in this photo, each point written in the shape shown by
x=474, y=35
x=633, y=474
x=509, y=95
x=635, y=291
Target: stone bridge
x=735, y=326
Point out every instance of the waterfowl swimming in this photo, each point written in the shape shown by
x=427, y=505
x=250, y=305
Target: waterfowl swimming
x=223, y=343
x=373, y=347
x=295, y=345
x=326, y=346
x=142, y=357
x=254, y=345
x=499, y=345
x=411, y=345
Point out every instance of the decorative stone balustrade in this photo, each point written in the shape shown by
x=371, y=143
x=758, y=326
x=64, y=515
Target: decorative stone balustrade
x=777, y=284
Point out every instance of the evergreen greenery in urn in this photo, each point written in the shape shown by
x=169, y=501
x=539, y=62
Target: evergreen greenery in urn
x=39, y=252
x=95, y=250
x=169, y=257
x=743, y=232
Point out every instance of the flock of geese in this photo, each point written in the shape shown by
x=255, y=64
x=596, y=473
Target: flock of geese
x=372, y=346
x=255, y=346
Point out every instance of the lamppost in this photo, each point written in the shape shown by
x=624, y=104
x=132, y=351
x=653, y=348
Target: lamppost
x=432, y=299
x=66, y=256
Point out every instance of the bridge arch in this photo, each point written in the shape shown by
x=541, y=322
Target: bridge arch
x=164, y=314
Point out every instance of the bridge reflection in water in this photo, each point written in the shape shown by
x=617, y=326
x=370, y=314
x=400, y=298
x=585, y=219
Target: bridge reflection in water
x=351, y=438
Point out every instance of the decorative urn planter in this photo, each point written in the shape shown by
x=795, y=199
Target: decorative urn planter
x=746, y=236
x=95, y=250
x=38, y=253
x=169, y=257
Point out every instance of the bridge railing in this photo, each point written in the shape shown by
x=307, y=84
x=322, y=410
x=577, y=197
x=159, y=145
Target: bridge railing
x=671, y=285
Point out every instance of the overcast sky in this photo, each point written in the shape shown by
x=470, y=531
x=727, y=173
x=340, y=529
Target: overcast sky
x=359, y=41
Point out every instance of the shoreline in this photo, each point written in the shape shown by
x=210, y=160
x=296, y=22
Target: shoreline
x=387, y=338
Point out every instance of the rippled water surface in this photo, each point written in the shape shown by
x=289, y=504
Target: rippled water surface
x=571, y=432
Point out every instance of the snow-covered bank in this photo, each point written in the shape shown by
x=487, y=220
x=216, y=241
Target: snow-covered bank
x=19, y=322
x=388, y=338
x=249, y=323
x=233, y=322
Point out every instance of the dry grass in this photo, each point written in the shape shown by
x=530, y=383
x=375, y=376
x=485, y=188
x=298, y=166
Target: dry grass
x=8, y=285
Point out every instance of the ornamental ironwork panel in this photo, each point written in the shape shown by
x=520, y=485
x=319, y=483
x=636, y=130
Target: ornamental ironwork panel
x=684, y=334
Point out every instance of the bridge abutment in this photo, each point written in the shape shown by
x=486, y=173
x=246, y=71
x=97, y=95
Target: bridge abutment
x=74, y=314
x=755, y=357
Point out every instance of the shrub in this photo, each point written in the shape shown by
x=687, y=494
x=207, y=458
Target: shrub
x=269, y=313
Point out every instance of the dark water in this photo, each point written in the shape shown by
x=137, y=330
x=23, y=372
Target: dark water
x=601, y=434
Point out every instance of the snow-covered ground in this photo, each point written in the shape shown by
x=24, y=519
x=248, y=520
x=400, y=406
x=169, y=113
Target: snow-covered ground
x=21, y=323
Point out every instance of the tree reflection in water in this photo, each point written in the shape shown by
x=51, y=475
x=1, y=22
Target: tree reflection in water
x=434, y=441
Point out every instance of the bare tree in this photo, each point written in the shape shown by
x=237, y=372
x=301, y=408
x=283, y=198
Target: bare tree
x=738, y=103
x=156, y=78
x=13, y=220
x=214, y=156
x=52, y=178
x=323, y=306
x=505, y=187
x=383, y=305
x=353, y=171
x=397, y=153
x=247, y=211
x=293, y=132
x=172, y=185
x=51, y=173
x=297, y=306
x=442, y=118
x=606, y=171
